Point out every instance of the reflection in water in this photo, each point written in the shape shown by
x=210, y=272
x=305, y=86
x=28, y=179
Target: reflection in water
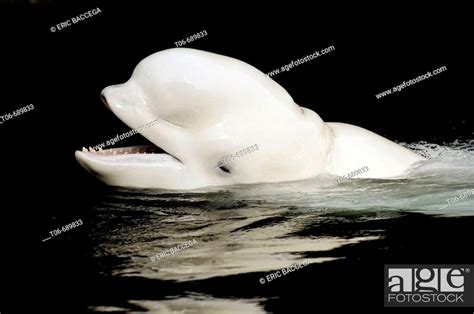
x=245, y=232
x=192, y=304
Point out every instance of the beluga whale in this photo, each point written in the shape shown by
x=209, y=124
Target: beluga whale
x=219, y=121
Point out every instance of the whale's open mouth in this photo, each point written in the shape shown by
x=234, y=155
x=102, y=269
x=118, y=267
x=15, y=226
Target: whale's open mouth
x=143, y=149
x=140, y=155
x=129, y=150
x=129, y=154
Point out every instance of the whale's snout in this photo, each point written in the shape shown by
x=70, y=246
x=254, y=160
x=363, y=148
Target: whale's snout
x=121, y=96
x=104, y=99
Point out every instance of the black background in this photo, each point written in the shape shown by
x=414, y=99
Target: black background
x=62, y=74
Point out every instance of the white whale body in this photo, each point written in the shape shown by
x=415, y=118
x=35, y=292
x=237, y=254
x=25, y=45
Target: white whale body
x=206, y=107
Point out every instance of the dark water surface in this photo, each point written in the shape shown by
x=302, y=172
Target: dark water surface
x=345, y=232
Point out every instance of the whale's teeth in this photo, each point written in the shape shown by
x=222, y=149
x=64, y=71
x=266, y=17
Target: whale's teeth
x=100, y=149
x=83, y=149
x=91, y=149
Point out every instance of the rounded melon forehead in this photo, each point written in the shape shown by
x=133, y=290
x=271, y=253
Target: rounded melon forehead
x=213, y=79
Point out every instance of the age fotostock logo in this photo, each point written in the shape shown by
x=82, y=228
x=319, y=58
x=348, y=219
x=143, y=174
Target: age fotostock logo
x=429, y=285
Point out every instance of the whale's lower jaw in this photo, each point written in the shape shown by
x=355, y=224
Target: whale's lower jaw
x=139, y=170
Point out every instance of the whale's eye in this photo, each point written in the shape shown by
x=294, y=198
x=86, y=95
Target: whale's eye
x=225, y=169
